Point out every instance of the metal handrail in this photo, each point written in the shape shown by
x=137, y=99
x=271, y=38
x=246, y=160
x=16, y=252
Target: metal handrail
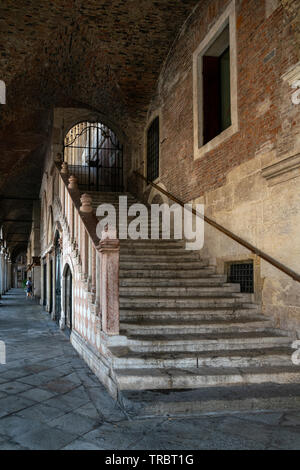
x=289, y=272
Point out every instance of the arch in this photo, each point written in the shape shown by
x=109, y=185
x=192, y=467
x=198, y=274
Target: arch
x=67, y=295
x=94, y=155
x=57, y=277
x=155, y=194
x=50, y=225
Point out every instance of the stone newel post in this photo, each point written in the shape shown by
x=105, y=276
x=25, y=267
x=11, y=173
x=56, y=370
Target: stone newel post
x=109, y=248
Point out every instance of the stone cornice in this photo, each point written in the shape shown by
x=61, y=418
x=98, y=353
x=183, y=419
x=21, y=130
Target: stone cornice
x=282, y=170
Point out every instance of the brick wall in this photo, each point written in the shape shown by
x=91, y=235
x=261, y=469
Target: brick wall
x=266, y=48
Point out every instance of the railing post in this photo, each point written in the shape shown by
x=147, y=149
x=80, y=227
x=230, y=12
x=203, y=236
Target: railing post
x=109, y=248
x=73, y=182
x=86, y=203
x=64, y=168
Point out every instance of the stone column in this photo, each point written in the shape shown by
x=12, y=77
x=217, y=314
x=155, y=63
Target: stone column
x=109, y=248
x=1, y=272
x=9, y=283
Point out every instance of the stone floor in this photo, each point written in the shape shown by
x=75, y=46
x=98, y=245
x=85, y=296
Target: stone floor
x=49, y=399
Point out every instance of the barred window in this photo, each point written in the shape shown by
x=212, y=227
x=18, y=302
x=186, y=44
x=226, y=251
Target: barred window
x=242, y=273
x=153, y=150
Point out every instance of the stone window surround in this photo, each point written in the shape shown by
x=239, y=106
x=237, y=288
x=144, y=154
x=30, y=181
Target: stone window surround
x=229, y=16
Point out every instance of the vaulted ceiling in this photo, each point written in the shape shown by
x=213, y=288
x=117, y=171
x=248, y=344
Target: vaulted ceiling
x=104, y=54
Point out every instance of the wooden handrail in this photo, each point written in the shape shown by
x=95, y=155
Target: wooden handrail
x=289, y=272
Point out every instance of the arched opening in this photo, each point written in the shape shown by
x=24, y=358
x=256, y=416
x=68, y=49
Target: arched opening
x=95, y=156
x=68, y=297
x=44, y=282
x=57, y=245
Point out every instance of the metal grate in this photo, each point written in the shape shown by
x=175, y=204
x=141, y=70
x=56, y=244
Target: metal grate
x=95, y=156
x=242, y=273
x=153, y=150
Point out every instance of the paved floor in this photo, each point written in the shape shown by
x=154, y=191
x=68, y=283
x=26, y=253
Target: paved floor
x=49, y=399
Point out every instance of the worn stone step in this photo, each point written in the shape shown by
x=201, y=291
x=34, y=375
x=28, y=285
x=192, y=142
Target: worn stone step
x=150, y=282
x=171, y=302
x=152, y=243
x=166, y=273
x=123, y=357
x=170, y=265
x=142, y=251
x=136, y=313
x=142, y=291
x=174, y=378
x=153, y=258
x=205, y=341
x=238, y=397
x=159, y=327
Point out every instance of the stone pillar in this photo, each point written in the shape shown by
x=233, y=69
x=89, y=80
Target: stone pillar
x=9, y=277
x=1, y=272
x=109, y=248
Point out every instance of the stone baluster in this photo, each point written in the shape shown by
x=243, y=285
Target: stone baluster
x=73, y=182
x=64, y=168
x=86, y=203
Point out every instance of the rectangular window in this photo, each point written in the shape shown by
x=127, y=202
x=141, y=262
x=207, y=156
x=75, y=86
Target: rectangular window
x=242, y=273
x=216, y=87
x=215, y=84
x=153, y=150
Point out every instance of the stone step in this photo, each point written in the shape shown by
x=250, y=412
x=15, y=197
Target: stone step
x=141, y=291
x=151, y=244
x=143, y=251
x=166, y=274
x=265, y=356
x=205, y=341
x=166, y=258
x=170, y=265
x=179, y=327
x=171, y=302
x=174, y=378
x=206, y=313
x=232, y=398
x=153, y=282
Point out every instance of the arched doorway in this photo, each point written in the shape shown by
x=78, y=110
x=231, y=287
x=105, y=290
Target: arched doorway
x=68, y=297
x=57, y=242
x=95, y=156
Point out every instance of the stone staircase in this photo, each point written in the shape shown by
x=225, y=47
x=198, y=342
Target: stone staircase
x=189, y=340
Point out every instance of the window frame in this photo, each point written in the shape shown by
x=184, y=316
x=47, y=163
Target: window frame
x=228, y=17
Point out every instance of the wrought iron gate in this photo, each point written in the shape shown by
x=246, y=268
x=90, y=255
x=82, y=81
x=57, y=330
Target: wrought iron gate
x=95, y=156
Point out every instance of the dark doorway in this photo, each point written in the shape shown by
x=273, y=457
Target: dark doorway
x=51, y=287
x=68, y=298
x=57, y=278
x=45, y=283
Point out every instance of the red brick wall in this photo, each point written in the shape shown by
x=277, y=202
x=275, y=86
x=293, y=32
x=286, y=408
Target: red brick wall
x=266, y=48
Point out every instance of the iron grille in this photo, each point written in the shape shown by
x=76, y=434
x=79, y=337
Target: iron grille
x=153, y=150
x=95, y=156
x=242, y=273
